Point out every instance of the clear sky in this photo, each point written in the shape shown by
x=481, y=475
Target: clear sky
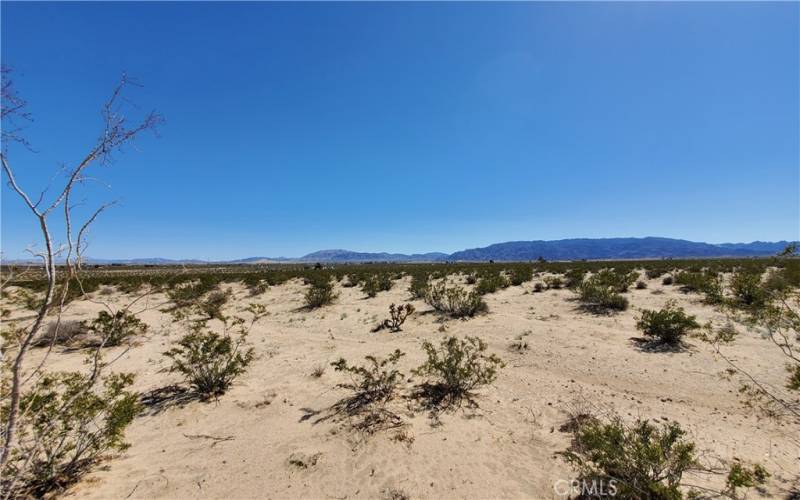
x=415, y=127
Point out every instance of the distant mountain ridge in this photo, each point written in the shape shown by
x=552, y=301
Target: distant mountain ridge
x=567, y=249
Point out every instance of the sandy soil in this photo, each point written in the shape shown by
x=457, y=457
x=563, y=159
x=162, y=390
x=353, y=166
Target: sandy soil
x=240, y=446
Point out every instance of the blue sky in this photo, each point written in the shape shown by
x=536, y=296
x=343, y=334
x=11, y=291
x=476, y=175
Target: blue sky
x=415, y=127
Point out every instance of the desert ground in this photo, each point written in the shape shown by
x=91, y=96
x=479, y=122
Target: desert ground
x=275, y=434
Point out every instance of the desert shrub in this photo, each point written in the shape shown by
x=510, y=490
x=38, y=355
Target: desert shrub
x=667, y=280
x=376, y=283
x=641, y=285
x=213, y=303
x=520, y=275
x=713, y=289
x=554, y=282
x=454, y=301
x=776, y=281
x=640, y=461
x=598, y=296
x=574, y=277
x=692, y=281
x=471, y=279
x=654, y=273
x=618, y=281
x=538, y=287
x=353, y=280
x=67, y=332
x=419, y=286
x=372, y=383
x=398, y=315
x=111, y=330
x=210, y=362
x=66, y=426
x=459, y=366
x=189, y=293
x=747, y=290
x=490, y=283
x=668, y=325
x=741, y=476
x=320, y=294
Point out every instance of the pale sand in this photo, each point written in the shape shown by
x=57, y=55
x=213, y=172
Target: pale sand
x=505, y=448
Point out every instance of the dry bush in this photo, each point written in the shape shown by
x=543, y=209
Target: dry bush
x=454, y=301
x=398, y=315
x=67, y=333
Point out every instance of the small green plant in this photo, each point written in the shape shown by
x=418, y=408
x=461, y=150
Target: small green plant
x=639, y=461
x=212, y=304
x=376, y=283
x=598, y=296
x=747, y=290
x=741, y=476
x=574, y=277
x=617, y=281
x=668, y=325
x=66, y=427
x=320, y=294
x=553, y=282
x=419, y=286
x=520, y=275
x=373, y=383
x=454, y=301
x=458, y=367
x=641, y=285
x=490, y=283
x=209, y=361
x=111, y=330
x=668, y=280
x=398, y=315
x=471, y=279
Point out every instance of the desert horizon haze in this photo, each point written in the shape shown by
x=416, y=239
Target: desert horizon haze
x=199, y=201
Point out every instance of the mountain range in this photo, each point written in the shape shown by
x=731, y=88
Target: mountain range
x=568, y=249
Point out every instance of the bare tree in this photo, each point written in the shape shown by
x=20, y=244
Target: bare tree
x=116, y=133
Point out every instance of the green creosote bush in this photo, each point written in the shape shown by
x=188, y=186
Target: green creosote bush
x=210, y=362
x=668, y=325
x=574, y=277
x=66, y=427
x=419, y=286
x=490, y=283
x=600, y=297
x=458, y=367
x=377, y=283
x=320, y=294
x=112, y=330
x=520, y=275
x=747, y=290
x=638, y=461
x=454, y=301
x=213, y=303
x=618, y=281
x=741, y=476
x=553, y=282
x=375, y=382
